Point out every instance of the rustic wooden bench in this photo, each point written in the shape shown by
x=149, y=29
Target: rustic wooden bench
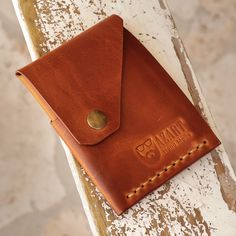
x=199, y=201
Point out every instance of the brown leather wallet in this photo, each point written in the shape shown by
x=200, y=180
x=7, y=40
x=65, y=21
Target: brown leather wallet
x=122, y=116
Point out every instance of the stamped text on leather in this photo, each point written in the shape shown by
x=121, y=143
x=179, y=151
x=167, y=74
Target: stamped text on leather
x=155, y=146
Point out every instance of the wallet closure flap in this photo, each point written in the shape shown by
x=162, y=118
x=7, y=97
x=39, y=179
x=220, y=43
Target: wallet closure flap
x=81, y=81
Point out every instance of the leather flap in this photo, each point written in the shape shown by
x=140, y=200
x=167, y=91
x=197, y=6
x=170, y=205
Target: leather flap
x=82, y=75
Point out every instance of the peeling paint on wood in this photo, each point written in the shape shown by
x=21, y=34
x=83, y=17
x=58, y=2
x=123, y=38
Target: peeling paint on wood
x=198, y=201
x=181, y=54
x=227, y=183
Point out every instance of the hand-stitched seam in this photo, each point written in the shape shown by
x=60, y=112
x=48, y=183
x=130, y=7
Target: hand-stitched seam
x=165, y=169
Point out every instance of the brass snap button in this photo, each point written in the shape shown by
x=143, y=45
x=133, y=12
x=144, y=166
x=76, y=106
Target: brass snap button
x=96, y=119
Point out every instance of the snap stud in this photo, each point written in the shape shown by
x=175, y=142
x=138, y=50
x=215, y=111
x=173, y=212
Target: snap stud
x=96, y=119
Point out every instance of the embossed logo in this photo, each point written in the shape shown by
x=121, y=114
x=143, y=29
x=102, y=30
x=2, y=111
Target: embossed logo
x=154, y=147
x=148, y=151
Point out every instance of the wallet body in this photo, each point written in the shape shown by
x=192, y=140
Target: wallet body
x=152, y=130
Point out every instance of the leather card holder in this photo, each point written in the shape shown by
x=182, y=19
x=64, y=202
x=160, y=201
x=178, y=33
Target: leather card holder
x=123, y=117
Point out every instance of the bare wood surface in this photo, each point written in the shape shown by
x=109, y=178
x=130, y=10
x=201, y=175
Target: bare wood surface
x=199, y=201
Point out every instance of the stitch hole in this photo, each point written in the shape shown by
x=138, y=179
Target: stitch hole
x=149, y=180
x=135, y=191
x=158, y=174
x=173, y=164
x=204, y=142
x=181, y=159
x=165, y=169
x=142, y=186
x=197, y=147
x=189, y=153
x=127, y=196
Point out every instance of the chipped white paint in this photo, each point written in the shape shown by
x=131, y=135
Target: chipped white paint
x=191, y=203
x=24, y=28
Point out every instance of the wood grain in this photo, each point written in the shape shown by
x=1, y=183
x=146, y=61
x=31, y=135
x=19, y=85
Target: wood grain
x=199, y=201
